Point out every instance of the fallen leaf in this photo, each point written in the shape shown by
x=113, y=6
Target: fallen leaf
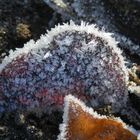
x=82, y=123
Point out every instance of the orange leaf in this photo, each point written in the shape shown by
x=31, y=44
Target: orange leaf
x=82, y=123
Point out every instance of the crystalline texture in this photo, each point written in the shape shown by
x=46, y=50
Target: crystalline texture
x=70, y=59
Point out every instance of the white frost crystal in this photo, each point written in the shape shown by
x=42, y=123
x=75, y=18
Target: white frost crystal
x=77, y=59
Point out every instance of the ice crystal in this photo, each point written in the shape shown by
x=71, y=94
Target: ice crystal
x=93, y=11
x=70, y=59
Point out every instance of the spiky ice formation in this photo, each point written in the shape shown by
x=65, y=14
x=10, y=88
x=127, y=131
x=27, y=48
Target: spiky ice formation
x=76, y=59
x=82, y=123
x=95, y=11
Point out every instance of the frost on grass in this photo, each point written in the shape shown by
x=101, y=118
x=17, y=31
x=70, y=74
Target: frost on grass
x=81, y=122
